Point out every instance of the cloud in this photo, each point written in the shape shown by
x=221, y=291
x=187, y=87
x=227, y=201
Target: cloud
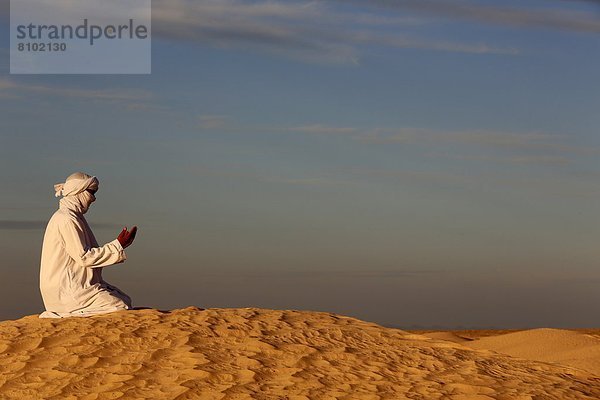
x=544, y=160
x=524, y=148
x=310, y=31
x=91, y=94
x=212, y=121
x=248, y=174
x=337, y=32
x=6, y=92
x=427, y=136
x=436, y=178
x=5, y=84
x=319, y=129
x=280, y=28
x=533, y=141
x=525, y=182
x=20, y=225
x=132, y=98
x=558, y=19
x=349, y=176
x=306, y=181
x=64, y=11
x=407, y=42
x=549, y=160
x=477, y=137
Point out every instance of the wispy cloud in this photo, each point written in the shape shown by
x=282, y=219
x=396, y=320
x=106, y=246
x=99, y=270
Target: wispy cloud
x=516, y=148
x=275, y=27
x=436, y=178
x=524, y=182
x=103, y=12
x=543, y=160
x=409, y=42
x=558, y=18
x=7, y=90
x=319, y=129
x=212, y=121
x=247, y=173
x=91, y=94
x=21, y=225
x=131, y=98
x=310, y=31
x=338, y=31
x=476, y=137
x=307, y=181
x=549, y=160
x=509, y=140
x=6, y=84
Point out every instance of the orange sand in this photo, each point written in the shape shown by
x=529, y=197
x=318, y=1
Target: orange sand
x=264, y=354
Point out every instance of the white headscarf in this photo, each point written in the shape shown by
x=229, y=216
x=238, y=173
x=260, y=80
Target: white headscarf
x=75, y=193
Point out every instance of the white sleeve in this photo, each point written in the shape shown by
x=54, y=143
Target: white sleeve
x=74, y=241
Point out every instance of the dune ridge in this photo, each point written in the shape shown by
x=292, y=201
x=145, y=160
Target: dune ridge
x=545, y=344
x=259, y=354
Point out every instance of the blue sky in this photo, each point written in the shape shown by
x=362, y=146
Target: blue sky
x=405, y=162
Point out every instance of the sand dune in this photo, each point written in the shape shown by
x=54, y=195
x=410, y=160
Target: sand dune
x=551, y=345
x=260, y=354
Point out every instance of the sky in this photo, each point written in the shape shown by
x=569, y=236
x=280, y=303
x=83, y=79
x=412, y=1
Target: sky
x=415, y=163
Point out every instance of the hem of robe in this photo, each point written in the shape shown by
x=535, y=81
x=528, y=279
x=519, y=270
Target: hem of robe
x=82, y=313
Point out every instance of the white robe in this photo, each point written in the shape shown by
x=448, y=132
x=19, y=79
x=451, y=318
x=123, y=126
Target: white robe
x=71, y=268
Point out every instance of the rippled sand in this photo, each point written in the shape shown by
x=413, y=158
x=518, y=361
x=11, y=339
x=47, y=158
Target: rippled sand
x=261, y=354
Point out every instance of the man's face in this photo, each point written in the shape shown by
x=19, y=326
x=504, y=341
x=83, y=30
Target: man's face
x=93, y=193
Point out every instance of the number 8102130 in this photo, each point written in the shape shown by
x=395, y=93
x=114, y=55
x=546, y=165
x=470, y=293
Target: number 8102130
x=42, y=47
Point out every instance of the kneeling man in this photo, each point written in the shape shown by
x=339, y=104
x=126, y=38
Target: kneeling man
x=71, y=267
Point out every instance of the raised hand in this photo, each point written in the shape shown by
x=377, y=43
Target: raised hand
x=126, y=237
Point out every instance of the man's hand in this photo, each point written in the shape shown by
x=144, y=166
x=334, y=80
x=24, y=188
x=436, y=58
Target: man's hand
x=126, y=237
